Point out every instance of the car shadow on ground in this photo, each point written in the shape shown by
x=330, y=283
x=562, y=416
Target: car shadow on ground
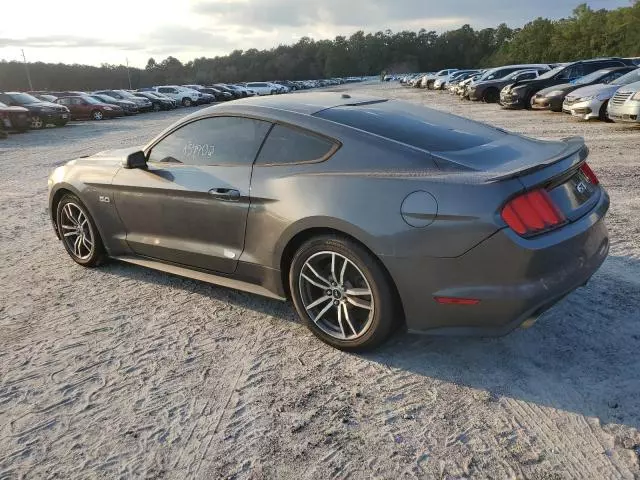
x=581, y=356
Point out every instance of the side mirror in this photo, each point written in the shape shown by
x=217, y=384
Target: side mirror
x=135, y=160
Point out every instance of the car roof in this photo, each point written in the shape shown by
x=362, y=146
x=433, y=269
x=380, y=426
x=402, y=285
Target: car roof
x=302, y=103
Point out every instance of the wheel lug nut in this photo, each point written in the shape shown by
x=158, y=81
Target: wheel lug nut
x=336, y=303
x=328, y=292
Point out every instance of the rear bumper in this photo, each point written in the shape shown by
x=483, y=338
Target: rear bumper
x=515, y=279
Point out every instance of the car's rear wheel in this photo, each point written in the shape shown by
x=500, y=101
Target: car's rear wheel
x=37, y=122
x=97, y=115
x=186, y=102
x=156, y=107
x=342, y=293
x=78, y=232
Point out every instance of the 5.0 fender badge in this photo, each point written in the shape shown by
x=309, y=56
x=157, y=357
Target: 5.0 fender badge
x=104, y=198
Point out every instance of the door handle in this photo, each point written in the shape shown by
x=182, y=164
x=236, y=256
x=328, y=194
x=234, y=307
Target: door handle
x=225, y=194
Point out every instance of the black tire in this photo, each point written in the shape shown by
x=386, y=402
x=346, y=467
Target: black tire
x=602, y=114
x=378, y=326
x=527, y=100
x=96, y=255
x=156, y=107
x=491, y=95
x=97, y=115
x=186, y=102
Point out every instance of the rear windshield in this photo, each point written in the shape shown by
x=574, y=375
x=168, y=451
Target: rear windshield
x=413, y=125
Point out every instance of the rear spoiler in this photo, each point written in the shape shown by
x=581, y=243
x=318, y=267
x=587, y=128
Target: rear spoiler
x=574, y=147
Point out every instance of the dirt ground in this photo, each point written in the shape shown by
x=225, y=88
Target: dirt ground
x=123, y=372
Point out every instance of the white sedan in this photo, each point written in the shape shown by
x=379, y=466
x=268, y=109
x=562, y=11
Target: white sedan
x=262, y=88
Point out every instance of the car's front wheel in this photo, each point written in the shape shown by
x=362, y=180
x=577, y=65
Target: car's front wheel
x=97, y=115
x=342, y=293
x=186, y=102
x=78, y=232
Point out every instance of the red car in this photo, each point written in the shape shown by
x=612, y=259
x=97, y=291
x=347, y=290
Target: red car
x=14, y=118
x=84, y=106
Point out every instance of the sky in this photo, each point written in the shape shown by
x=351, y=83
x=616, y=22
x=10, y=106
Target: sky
x=95, y=32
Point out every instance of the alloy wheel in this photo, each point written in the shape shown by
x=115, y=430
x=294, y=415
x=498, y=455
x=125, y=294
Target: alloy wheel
x=97, y=115
x=336, y=295
x=76, y=232
x=37, y=122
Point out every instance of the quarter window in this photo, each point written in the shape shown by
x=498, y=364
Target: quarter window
x=288, y=145
x=212, y=141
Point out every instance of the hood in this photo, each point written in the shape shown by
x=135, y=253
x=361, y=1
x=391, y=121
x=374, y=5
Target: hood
x=565, y=87
x=597, y=89
x=106, y=157
x=13, y=109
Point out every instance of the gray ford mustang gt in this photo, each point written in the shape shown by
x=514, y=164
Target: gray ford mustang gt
x=368, y=213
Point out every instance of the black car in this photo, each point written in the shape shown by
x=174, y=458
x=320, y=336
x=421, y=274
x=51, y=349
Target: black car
x=224, y=88
x=218, y=94
x=157, y=103
x=129, y=108
x=41, y=113
x=552, y=98
x=520, y=94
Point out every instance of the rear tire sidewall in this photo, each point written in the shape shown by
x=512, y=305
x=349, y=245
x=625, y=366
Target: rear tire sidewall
x=602, y=114
x=98, y=254
x=383, y=321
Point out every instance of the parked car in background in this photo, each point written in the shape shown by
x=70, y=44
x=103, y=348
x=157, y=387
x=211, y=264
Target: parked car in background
x=489, y=90
x=441, y=82
x=128, y=107
x=158, y=103
x=205, y=98
x=592, y=101
x=243, y=91
x=428, y=80
x=144, y=105
x=14, y=118
x=45, y=97
x=462, y=89
x=262, y=88
x=219, y=95
x=519, y=94
x=87, y=107
x=225, y=88
x=184, y=96
x=552, y=98
x=458, y=77
x=624, y=106
x=41, y=113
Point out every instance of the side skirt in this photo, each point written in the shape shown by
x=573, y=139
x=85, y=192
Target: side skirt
x=208, y=277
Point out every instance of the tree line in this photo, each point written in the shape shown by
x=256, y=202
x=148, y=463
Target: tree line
x=585, y=34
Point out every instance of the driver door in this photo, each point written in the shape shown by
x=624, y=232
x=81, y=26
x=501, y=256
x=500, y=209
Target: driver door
x=190, y=205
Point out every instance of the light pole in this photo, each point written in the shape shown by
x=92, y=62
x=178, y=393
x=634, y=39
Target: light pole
x=128, y=74
x=26, y=67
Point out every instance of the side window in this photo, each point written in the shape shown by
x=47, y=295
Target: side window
x=526, y=76
x=212, y=141
x=611, y=77
x=163, y=90
x=76, y=101
x=288, y=145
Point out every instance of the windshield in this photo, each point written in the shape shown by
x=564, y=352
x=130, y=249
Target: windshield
x=631, y=77
x=591, y=78
x=91, y=100
x=442, y=72
x=24, y=98
x=551, y=73
x=126, y=94
x=2, y=104
x=512, y=75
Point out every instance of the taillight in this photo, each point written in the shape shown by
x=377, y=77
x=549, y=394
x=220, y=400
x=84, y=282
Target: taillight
x=586, y=169
x=532, y=212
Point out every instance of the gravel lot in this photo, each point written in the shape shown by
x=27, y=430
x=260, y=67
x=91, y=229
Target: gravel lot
x=123, y=372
